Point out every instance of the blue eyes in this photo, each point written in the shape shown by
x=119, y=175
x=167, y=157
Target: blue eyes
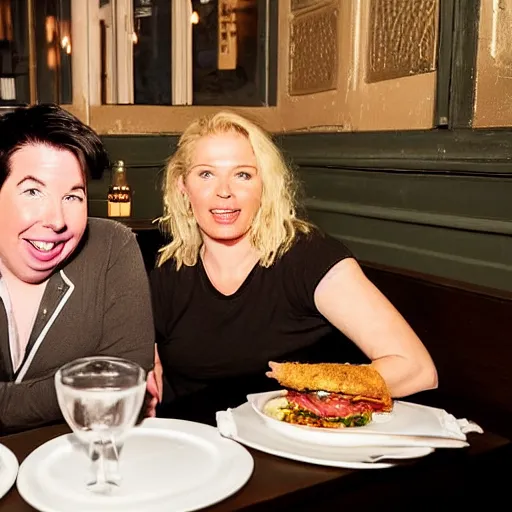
x=242, y=175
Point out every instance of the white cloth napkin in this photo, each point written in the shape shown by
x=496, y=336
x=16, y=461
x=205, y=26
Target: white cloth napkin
x=463, y=425
x=226, y=424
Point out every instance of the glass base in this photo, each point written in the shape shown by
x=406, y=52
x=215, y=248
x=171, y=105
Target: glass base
x=105, y=477
x=103, y=487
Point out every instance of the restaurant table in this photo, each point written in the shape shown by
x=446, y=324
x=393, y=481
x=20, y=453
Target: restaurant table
x=447, y=476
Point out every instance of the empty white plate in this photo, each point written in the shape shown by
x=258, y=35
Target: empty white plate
x=8, y=469
x=166, y=465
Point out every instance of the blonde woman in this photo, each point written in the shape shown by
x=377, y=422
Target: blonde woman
x=245, y=281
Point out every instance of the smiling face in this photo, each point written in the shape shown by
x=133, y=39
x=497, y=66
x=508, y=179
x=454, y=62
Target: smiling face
x=43, y=212
x=224, y=186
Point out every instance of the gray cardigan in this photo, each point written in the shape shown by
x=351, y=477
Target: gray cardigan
x=98, y=303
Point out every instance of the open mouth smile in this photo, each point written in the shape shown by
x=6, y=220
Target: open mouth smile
x=44, y=251
x=225, y=216
x=42, y=246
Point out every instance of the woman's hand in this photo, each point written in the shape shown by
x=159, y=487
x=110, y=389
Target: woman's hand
x=349, y=300
x=154, y=386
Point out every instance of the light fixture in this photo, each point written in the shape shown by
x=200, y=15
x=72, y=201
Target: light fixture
x=65, y=44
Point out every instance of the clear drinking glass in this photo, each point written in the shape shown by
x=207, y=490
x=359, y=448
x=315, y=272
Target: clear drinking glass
x=100, y=399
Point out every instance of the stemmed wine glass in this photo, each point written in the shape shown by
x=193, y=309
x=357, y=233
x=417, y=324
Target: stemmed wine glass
x=100, y=398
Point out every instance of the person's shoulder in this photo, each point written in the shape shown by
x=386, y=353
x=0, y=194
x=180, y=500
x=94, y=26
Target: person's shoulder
x=103, y=241
x=107, y=229
x=106, y=239
x=166, y=267
x=168, y=270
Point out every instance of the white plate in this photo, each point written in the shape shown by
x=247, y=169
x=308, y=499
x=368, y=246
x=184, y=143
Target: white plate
x=407, y=425
x=8, y=469
x=245, y=426
x=166, y=465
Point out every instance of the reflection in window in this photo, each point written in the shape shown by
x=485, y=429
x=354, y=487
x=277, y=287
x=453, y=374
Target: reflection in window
x=225, y=52
x=14, y=53
x=151, y=52
x=200, y=52
x=35, y=51
x=53, y=49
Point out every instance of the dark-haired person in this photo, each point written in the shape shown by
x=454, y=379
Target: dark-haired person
x=70, y=286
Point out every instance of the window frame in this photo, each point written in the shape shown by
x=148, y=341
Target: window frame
x=151, y=119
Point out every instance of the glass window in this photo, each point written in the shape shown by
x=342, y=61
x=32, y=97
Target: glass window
x=14, y=53
x=35, y=51
x=225, y=53
x=143, y=52
x=53, y=50
x=184, y=52
x=152, y=52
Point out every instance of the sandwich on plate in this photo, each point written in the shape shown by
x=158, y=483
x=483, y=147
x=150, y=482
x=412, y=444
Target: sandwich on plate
x=328, y=394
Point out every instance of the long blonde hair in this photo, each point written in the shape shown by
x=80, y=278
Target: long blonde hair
x=275, y=225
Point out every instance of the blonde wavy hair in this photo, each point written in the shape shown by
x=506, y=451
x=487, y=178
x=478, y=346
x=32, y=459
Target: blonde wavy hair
x=275, y=225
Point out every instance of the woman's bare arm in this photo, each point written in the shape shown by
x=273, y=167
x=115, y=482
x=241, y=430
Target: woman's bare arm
x=348, y=299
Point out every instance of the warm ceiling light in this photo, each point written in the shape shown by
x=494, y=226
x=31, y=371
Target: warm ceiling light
x=194, y=18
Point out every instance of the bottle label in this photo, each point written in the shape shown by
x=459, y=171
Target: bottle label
x=119, y=201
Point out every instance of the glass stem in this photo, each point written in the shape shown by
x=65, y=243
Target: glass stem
x=104, y=455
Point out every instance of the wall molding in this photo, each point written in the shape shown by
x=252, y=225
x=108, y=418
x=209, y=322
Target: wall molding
x=431, y=262
x=452, y=258
x=459, y=152
x=423, y=218
x=475, y=152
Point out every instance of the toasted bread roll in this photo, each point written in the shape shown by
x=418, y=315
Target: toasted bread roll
x=348, y=379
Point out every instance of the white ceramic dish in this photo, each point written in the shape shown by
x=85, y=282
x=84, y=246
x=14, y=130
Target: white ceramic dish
x=244, y=425
x=407, y=425
x=8, y=469
x=166, y=466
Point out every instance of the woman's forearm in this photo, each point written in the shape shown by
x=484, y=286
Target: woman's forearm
x=404, y=376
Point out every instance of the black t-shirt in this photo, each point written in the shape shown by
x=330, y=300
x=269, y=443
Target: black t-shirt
x=216, y=348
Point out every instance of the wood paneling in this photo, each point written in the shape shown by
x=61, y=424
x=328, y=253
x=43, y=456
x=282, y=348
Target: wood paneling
x=467, y=334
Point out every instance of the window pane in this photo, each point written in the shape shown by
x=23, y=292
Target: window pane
x=152, y=52
x=182, y=52
x=225, y=53
x=14, y=60
x=54, y=50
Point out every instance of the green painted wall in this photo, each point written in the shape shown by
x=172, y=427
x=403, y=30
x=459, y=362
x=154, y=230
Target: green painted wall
x=437, y=202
